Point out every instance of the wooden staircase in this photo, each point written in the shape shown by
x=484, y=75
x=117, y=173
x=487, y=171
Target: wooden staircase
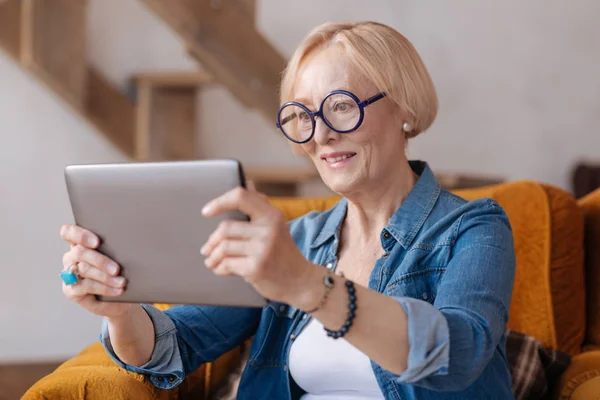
x=48, y=39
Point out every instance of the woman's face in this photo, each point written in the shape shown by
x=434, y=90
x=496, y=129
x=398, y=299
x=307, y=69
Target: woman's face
x=373, y=150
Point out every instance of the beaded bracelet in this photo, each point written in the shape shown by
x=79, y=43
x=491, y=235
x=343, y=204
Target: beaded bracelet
x=351, y=313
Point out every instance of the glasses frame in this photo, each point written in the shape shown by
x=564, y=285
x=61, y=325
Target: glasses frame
x=361, y=106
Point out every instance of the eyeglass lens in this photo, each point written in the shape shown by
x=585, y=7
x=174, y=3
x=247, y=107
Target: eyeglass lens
x=340, y=111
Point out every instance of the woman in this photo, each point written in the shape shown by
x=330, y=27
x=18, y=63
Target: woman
x=400, y=291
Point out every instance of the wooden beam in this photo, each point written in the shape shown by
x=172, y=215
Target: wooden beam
x=47, y=39
x=222, y=37
x=110, y=111
x=173, y=79
x=53, y=39
x=250, y=8
x=10, y=27
x=165, y=123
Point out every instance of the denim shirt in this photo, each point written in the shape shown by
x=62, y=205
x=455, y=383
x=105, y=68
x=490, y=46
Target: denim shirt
x=448, y=262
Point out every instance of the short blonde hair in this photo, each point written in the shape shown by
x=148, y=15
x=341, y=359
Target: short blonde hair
x=383, y=56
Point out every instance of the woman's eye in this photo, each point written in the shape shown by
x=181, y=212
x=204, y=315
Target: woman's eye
x=341, y=107
x=304, y=117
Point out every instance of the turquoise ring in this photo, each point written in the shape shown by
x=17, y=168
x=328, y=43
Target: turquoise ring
x=70, y=275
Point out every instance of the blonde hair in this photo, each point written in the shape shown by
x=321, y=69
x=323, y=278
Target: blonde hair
x=383, y=56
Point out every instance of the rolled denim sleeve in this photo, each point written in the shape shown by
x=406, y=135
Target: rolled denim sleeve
x=165, y=367
x=452, y=341
x=429, y=339
x=187, y=337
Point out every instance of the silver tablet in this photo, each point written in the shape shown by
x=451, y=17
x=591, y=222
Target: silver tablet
x=148, y=217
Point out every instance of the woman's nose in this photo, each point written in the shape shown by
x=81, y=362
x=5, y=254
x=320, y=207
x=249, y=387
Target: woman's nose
x=322, y=132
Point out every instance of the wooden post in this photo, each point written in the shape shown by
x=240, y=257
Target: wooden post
x=53, y=39
x=166, y=115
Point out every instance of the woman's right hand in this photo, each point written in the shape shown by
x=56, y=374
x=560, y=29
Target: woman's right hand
x=99, y=275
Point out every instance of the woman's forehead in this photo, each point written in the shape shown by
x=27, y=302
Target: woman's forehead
x=325, y=71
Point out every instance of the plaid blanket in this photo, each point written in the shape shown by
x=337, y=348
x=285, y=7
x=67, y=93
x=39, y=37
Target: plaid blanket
x=534, y=368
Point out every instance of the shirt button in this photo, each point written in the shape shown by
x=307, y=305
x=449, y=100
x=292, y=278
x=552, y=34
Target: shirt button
x=305, y=316
x=285, y=368
x=329, y=265
x=160, y=379
x=425, y=296
x=292, y=336
x=386, y=235
x=281, y=308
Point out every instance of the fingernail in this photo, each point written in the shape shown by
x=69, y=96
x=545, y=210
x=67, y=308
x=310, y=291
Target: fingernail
x=119, y=281
x=116, y=290
x=203, y=250
x=206, y=209
x=112, y=267
x=92, y=242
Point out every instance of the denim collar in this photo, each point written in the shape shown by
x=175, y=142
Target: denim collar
x=406, y=221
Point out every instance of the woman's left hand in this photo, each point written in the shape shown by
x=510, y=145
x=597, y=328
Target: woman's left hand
x=262, y=251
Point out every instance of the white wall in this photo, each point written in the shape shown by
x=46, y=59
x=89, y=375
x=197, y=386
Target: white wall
x=518, y=98
x=517, y=80
x=39, y=135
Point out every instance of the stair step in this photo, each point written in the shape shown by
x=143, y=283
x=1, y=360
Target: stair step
x=173, y=79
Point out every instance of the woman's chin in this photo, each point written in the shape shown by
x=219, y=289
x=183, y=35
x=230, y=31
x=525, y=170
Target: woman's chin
x=340, y=184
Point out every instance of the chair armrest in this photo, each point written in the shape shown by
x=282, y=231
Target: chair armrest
x=581, y=381
x=93, y=375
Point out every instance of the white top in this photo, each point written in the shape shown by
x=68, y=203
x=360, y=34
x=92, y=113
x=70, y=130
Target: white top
x=328, y=369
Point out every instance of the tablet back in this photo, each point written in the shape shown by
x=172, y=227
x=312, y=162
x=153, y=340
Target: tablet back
x=148, y=217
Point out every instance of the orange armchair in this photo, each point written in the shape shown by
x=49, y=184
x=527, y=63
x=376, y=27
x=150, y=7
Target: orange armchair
x=549, y=300
x=582, y=379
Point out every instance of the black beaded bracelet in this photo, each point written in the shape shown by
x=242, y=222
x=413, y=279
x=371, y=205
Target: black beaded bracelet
x=351, y=313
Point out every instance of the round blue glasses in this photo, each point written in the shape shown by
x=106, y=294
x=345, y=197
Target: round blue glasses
x=340, y=110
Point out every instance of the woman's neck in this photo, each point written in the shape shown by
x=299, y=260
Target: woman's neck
x=370, y=210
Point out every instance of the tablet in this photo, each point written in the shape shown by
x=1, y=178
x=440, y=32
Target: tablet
x=149, y=220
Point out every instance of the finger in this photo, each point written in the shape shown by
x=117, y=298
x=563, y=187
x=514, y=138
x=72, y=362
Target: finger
x=77, y=235
x=89, y=286
x=250, y=203
x=93, y=257
x=222, y=270
x=228, y=229
x=238, y=266
x=89, y=271
x=226, y=248
x=251, y=186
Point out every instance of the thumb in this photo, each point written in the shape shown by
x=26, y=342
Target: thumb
x=250, y=186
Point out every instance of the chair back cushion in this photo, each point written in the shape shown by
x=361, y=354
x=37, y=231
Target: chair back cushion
x=590, y=205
